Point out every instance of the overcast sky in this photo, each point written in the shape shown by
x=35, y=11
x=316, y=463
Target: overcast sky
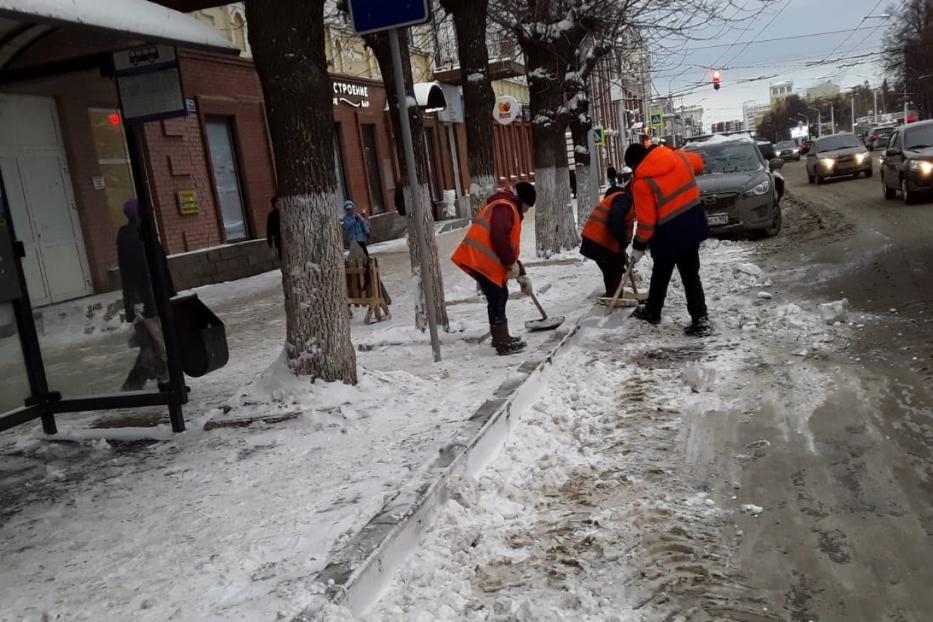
x=778, y=60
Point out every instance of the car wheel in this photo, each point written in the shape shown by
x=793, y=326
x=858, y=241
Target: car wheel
x=906, y=194
x=889, y=193
x=777, y=223
x=869, y=172
x=797, y=158
x=810, y=178
x=819, y=180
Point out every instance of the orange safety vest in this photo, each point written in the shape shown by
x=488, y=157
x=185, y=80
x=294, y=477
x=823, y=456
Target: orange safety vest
x=476, y=253
x=597, y=226
x=661, y=199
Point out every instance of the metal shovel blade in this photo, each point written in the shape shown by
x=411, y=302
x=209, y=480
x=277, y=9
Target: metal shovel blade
x=547, y=323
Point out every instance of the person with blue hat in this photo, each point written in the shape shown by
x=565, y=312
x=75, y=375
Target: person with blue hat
x=355, y=226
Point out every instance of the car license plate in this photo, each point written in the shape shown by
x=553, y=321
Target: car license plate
x=718, y=219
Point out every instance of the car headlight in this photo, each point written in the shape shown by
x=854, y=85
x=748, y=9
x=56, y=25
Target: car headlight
x=827, y=162
x=860, y=157
x=796, y=151
x=924, y=167
x=758, y=190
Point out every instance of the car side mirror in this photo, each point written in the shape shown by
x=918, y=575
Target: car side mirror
x=892, y=152
x=776, y=163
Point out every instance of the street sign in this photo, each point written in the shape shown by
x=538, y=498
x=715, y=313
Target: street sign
x=376, y=15
x=506, y=109
x=657, y=119
x=149, y=83
x=599, y=136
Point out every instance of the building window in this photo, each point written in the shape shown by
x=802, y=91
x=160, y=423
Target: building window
x=226, y=178
x=343, y=193
x=373, y=173
x=113, y=159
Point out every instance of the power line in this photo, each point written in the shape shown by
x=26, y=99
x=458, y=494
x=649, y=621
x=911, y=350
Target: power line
x=760, y=32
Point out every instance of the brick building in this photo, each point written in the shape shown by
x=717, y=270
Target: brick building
x=211, y=173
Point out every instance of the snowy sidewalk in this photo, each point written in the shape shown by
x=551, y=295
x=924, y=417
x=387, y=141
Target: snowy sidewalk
x=131, y=521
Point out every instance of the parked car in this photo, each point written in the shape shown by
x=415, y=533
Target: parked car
x=878, y=137
x=767, y=149
x=907, y=164
x=805, y=146
x=740, y=189
x=837, y=155
x=787, y=150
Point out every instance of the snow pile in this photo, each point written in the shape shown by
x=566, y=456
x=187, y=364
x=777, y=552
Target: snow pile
x=836, y=311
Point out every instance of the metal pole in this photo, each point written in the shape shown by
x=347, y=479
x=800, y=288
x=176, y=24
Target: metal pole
x=427, y=277
x=832, y=118
x=159, y=280
x=875, y=110
x=455, y=161
x=853, y=112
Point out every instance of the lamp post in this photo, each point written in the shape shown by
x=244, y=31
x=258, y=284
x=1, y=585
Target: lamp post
x=819, y=121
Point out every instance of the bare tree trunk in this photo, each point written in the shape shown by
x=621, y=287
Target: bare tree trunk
x=478, y=97
x=289, y=57
x=555, y=230
x=587, y=190
x=379, y=43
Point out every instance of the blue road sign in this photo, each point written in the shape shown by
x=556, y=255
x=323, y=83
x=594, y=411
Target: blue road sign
x=376, y=15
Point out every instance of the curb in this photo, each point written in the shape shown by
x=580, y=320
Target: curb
x=358, y=570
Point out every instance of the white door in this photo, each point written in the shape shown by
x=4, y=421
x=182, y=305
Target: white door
x=45, y=217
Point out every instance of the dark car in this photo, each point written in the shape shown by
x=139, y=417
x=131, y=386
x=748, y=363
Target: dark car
x=787, y=150
x=766, y=149
x=907, y=164
x=740, y=189
x=837, y=155
x=878, y=137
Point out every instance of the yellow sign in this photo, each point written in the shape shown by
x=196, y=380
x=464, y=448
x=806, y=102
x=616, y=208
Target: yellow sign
x=599, y=136
x=188, y=202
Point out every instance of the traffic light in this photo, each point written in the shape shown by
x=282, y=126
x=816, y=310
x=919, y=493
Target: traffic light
x=716, y=80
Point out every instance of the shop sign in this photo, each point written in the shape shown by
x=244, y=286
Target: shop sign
x=356, y=95
x=506, y=110
x=188, y=202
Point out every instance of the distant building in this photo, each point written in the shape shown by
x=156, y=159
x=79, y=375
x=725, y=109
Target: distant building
x=728, y=126
x=823, y=90
x=780, y=90
x=693, y=121
x=753, y=112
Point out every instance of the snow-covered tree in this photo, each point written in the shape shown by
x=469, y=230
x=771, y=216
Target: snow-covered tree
x=470, y=22
x=292, y=67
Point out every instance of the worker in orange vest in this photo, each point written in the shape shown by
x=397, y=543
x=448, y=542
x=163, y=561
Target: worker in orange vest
x=608, y=232
x=672, y=223
x=489, y=254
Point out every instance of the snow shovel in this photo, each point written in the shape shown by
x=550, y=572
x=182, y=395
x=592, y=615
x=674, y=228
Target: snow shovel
x=545, y=323
x=624, y=302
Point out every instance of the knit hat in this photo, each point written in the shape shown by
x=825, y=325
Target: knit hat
x=348, y=205
x=634, y=155
x=131, y=208
x=526, y=192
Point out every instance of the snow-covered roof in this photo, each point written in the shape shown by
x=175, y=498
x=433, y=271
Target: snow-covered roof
x=716, y=139
x=139, y=18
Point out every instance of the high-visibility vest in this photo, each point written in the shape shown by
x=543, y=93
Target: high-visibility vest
x=476, y=253
x=597, y=226
x=661, y=199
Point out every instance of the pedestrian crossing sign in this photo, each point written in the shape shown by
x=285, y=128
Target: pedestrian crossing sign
x=599, y=136
x=657, y=119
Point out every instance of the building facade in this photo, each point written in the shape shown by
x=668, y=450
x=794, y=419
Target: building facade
x=753, y=112
x=780, y=90
x=823, y=90
x=211, y=173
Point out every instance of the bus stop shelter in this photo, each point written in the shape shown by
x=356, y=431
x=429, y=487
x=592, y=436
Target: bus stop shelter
x=133, y=42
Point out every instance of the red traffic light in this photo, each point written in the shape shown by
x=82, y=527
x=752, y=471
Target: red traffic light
x=716, y=80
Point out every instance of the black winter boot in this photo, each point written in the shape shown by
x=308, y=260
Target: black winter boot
x=503, y=342
x=641, y=313
x=700, y=327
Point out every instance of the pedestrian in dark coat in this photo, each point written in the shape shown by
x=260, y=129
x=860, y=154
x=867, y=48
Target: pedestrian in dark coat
x=274, y=230
x=139, y=301
x=607, y=234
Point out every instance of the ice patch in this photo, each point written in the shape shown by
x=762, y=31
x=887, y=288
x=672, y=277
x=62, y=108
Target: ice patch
x=836, y=311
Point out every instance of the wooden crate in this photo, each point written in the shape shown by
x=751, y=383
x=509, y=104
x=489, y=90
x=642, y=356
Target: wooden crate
x=365, y=289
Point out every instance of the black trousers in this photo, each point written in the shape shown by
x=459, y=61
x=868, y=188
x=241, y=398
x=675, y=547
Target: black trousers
x=496, y=297
x=688, y=264
x=613, y=271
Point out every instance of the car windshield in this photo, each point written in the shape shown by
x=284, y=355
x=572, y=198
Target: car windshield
x=918, y=137
x=787, y=144
x=884, y=131
x=734, y=157
x=840, y=141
